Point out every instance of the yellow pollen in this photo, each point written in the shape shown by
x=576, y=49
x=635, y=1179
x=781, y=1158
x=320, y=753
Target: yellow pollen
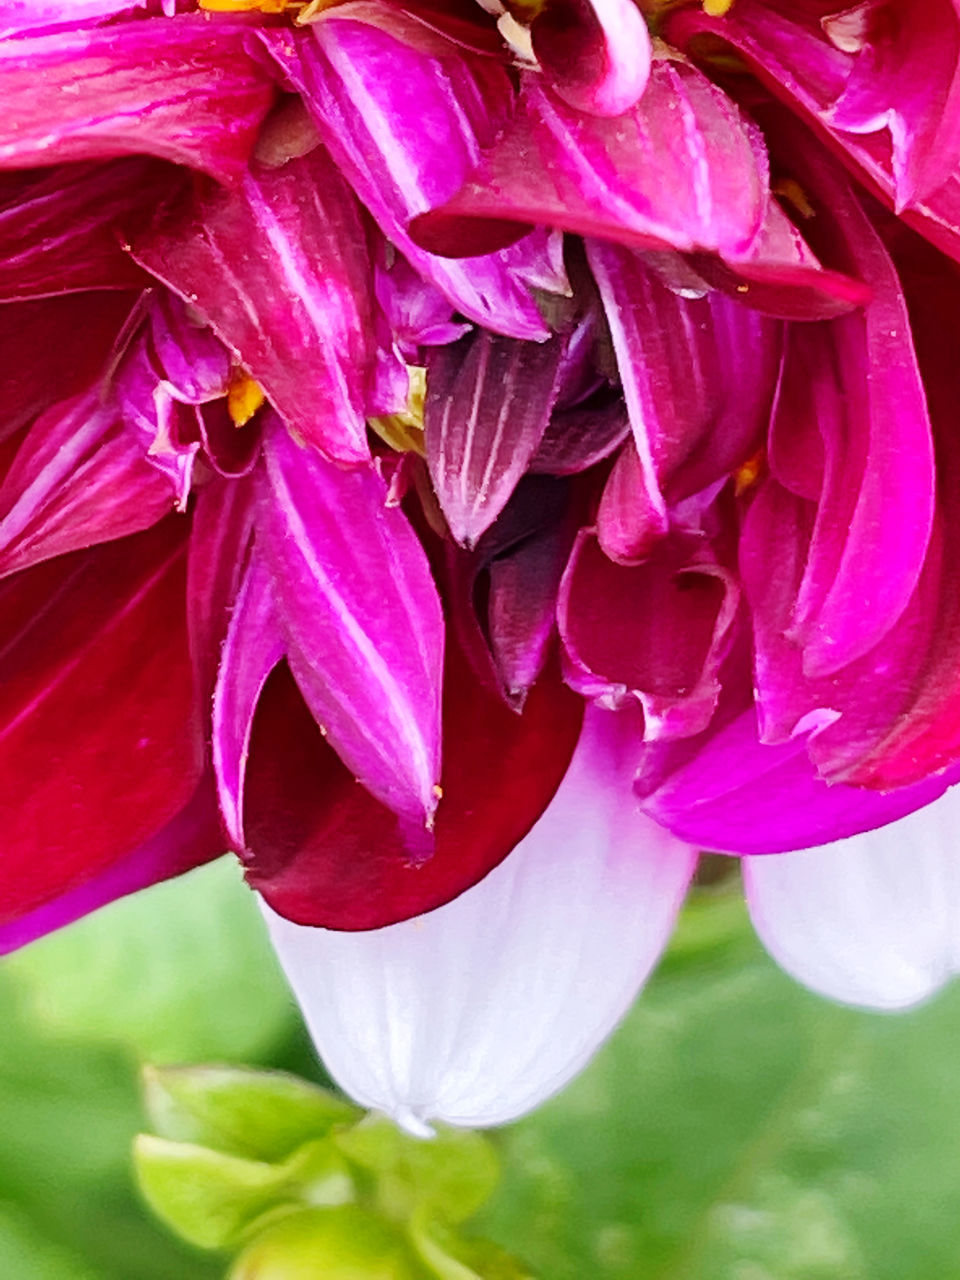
x=244, y=6
x=244, y=398
x=794, y=194
x=717, y=8
x=403, y=432
x=749, y=472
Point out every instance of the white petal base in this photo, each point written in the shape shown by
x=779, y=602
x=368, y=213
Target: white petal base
x=478, y=1011
x=873, y=920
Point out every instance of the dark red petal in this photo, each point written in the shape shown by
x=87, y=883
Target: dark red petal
x=98, y=742
x=324, y=852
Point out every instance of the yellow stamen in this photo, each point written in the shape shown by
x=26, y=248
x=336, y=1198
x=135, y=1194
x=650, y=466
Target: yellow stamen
x=794, y=194
x=244, y=6
x=717, y=8
x=404, y=431
x=749, y=472
x=244, y=398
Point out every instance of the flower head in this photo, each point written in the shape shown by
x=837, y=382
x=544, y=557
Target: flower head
x=437, y=436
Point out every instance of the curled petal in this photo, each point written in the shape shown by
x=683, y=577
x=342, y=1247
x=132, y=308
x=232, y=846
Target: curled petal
x=872, y=920
x=361, y=616
x=682, y=168
x=477, y=1012
x=323, y=851
x=656, y=631
x=278, y=267
x=374, y=101
x=595, y=53
x=79, y=477
x=187, y=91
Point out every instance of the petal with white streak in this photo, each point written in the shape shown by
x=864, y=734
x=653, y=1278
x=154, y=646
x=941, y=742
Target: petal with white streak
x=475, y=1013
x=873, y=920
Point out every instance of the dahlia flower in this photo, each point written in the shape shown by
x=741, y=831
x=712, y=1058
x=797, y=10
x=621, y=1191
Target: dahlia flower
x=467, y=460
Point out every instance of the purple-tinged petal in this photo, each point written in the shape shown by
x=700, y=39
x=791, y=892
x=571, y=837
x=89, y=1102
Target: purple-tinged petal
x=417, y=312
x=191, y=837
x=54, y=348
x=232, y=451
x=253, y=647
x=185, y=90
x=194, y=362
x=630, y=521
x=548, y=952
x=361, y=617
x=872, y=920
x=656, y=632
x=166, y=427
x=737, y=795
x=79, y=478
x=278, y=267
x=488, y=403
x=437, y=27
x=683, y=168
x=96, y=641
x=25, y=15
x=698, y=376
x=62, y=232
x=595, y=54
x=374, y=101
x=577, y=438
x=324, y=852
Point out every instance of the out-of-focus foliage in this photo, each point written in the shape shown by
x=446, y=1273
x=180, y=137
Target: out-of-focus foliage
x=737, y=1128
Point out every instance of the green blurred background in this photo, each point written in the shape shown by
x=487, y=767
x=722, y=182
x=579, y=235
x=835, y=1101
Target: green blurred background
x=736, y=1128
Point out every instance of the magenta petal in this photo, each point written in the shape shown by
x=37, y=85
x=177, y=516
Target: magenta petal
x=278, y=267
x=374, y=101
x=252, y=649
x=62, y=232
x=698, y=376
x=595, y=54
x=361, y=617
x=95, y=641
x=579, y=437
x=196, y=365
x=682, y=168
x=79, y=477
x=655, y=632
x=739, y=796
x=191, y=837
x=488, y=403
x=184, y=90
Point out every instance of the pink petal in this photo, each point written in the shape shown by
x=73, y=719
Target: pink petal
x=278, y=267
x=361, y=615
x=595, y=54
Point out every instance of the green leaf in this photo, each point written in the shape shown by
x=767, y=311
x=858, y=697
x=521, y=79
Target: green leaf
x=451, y=1174
x=179, y=973
x=262, y=1115
x=740, y=1128
x=336, y=1244
x=212, y=1199
x=447, y=1256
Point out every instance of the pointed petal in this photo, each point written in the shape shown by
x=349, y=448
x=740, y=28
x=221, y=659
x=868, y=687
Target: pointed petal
x=595, y=54
x=253, y=647
x=361, y=615
x=374, y=101
x=79, y=478
x=323, y=851
x=872, y=920
x=95, y=641
x=186, y=91
x=278, y=268
x=482, y=1009
x=488, y=403
x=682, y=168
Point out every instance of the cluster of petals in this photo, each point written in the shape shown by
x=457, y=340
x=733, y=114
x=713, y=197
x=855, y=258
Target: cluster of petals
x=468, y=460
